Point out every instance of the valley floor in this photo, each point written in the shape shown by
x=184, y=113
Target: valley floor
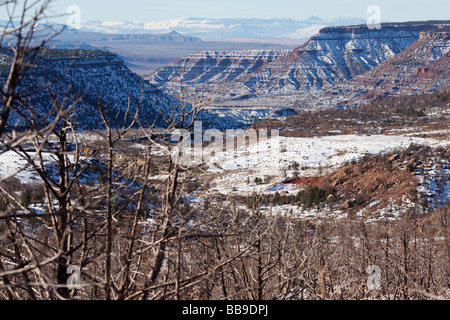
x=287, y=166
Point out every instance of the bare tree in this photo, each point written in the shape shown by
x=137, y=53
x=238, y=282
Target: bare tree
x=18, y=36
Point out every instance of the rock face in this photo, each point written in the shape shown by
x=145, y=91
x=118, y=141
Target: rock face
x=423, y=67
x=214, y=71
x=336, y=55
x=332, y=57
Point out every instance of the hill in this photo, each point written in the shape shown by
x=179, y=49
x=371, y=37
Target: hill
x=94, y=75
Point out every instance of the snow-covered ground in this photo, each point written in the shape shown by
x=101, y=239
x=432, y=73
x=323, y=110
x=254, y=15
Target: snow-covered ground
x=234, y=172
x=15, y=165
x=435, y=183
x=12, y=164
x=271, y=159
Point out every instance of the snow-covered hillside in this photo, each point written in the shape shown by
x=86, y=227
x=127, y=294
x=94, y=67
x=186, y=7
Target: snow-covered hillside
x=94, y=75
x=421, y=68
x=215, y=67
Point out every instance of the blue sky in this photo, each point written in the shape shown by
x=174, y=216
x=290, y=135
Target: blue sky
x=152, y=10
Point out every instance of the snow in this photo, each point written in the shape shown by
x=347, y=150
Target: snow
x=435, y=183
x=234, y=172
x=15, y=165
x=11, y=164
x=278, y=187
x=238, y=169
x=304, y=32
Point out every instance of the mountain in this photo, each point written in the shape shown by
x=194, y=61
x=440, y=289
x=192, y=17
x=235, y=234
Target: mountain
x=218, y=28
x=213, y=67
x=197, y=71
x=340, y=66
x=95, y=75
x=337, y=67
x=332, y=57
x=423, y=67
x=144, y=52
x=69, y=36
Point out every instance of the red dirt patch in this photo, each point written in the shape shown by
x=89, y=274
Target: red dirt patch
x=308, y=181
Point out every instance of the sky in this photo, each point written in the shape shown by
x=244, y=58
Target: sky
x=157, y=10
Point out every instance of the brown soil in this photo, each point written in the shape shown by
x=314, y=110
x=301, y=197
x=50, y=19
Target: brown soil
x=360, y=184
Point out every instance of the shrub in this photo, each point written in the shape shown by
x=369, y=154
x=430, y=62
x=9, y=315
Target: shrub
x=192, y=186
x=411, y=167
x=3, y=205
x=315, y=196
x=294, y=166
x=389, y=165
x=367, y=167
x=25, y=198
x=258, y=181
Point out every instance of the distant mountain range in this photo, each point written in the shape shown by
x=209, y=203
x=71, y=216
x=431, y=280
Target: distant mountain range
x=215, y=29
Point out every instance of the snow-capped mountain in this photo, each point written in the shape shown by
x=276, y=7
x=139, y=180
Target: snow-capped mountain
x=218, y=28
x=332, y=57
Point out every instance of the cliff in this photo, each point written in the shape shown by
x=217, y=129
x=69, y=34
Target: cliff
x=332, y=57
x=423, y=67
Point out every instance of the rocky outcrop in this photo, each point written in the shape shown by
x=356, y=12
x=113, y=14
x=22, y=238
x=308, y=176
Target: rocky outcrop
x=219, y=72
x=336, y=55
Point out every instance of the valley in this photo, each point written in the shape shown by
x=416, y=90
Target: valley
x=249, y=159
x=324, y=102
